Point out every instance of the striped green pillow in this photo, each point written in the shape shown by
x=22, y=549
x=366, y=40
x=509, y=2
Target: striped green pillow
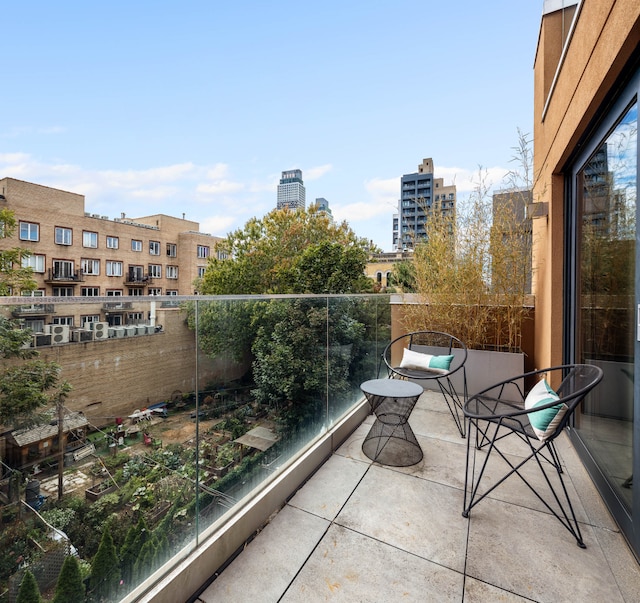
x=546, y=421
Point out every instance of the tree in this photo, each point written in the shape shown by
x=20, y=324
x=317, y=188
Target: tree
x=299, y=251
x=105, y=567
x=403, y=276
x=29, y=591
x=70, y=587
x=13, y=277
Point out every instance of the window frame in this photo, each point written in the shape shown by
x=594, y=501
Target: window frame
x=90, y=235
x=31, y=226
x=63, y=230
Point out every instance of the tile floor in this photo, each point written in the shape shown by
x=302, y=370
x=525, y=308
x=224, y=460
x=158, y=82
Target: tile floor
x=361, y=532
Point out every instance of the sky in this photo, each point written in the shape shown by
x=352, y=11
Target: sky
x=197, y=106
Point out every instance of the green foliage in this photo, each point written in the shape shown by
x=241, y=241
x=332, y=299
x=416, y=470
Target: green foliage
x=13, y=340
x=403, y=276
x=471, y=272
x=69, y=588
x=105, y=568
x=286, y=251
x=58, y=517
x=29, y=591
x=14, y=279
x=145, y=563
x=294, y=352
x=130, y=550
x=28, y=387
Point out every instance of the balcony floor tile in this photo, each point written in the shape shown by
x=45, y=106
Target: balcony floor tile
x=360, y=531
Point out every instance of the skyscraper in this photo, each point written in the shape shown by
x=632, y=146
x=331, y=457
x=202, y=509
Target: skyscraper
x=420, y=194
x=291, y=191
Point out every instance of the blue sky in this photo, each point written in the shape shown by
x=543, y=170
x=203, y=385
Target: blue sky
x=197, y=107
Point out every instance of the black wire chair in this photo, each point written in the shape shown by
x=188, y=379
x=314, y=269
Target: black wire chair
x=434, y=343
x=499, y=412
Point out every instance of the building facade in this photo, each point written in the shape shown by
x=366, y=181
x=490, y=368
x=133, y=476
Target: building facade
x=420, y=194
x=586, y=276
x=75, y=253
x=291, y=191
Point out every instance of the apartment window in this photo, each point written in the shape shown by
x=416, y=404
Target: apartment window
x=35, y=324
x=29, y=231
x=113, y=242
x=35, y=262
x=115, y=320
x=172, y=250
x=136, y=274
x=90, y=266
x=85, y=320
x=35, y=293
x=154, y=247
x=134, y=317
x=63, y=320
x=203, y=251
x=155, y=291
x=114, y=292
x=201, y=271
x=155, y=271
x=114, y=268
x=90, y=291
x=89, y=239
x=63, y=269
x=136, y=245
x=135, y=292
x=172, y=272
x=171, y=292
x=63, y=291
x=63, y=236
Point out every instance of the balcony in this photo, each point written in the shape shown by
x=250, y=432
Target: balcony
x=64, y=276
x=134, y=279
x=360, y=531
x=32, y=310
x=356, y=530
x=117, y=307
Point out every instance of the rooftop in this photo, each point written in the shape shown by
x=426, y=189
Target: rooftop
x=360, y=531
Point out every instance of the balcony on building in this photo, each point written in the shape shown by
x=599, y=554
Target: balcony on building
x=135, y=279
x=64, y=276
x=29, y=310
x=297, y=511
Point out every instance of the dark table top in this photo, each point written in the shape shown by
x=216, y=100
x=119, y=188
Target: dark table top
x=391, y=388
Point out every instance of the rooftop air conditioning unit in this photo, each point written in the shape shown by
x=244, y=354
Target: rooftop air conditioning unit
x=39, y=340
x=100, y=330
x=79, y=335
x=59, y=333
x=104, y=217
x=95, y=215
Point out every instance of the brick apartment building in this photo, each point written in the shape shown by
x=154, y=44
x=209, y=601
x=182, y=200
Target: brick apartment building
x=75, y=253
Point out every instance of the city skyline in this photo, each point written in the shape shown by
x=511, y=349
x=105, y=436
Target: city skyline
x=150, y=109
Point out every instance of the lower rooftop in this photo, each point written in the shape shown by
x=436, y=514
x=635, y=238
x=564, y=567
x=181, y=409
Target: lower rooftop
x=360, y=531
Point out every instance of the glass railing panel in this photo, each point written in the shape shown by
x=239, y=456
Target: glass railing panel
x=179, y=410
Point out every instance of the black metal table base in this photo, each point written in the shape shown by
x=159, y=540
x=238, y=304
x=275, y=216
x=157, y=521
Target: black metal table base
x=391, y=440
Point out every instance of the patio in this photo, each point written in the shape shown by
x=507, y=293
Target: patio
x=359, y=531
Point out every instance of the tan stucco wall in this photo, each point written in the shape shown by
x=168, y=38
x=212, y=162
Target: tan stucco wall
x=605, y=35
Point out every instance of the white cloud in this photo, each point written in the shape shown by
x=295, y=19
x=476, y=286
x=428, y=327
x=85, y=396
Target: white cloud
x=317, y=172
x=222, y=187
x=219, y=225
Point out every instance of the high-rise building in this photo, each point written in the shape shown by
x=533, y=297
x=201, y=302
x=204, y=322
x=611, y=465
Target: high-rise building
x=322, y=205
x=420, y=194
x=291, y=193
